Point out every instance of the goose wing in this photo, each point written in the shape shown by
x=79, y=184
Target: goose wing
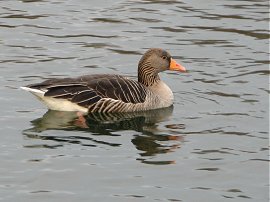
x=88, y=90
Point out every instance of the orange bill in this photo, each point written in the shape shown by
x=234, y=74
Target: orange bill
x=176, y=67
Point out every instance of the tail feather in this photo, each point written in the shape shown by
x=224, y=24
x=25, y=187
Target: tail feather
x=36, y=92
x=54, y=103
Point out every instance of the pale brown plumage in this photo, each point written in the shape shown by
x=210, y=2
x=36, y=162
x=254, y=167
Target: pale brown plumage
x=111, y=93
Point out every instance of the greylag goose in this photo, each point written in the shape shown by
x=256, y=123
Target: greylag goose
x=112, y=93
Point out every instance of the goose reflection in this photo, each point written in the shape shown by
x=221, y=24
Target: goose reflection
x=149, y=141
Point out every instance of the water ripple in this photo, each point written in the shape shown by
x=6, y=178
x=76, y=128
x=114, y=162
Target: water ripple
x=220, y=121
x=77, y=36
x=253, y=33
x=24, y=16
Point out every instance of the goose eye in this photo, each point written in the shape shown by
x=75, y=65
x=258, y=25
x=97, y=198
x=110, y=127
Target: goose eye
x=164, y=57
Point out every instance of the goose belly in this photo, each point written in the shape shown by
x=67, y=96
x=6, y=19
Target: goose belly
x=62, y=105
x=159, y=96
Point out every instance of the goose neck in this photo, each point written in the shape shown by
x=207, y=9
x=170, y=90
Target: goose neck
x=147, y=75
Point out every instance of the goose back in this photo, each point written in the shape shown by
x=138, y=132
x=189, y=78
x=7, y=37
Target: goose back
x=90, y=89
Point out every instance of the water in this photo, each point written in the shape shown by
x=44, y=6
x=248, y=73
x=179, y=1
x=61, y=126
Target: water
x=211, y=146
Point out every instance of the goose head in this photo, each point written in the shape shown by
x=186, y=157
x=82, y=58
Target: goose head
x=153, y=61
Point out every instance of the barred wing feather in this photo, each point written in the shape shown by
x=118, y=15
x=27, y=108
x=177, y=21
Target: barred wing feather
x=88, y=90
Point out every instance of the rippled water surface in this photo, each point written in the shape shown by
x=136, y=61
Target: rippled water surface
x=211, y=146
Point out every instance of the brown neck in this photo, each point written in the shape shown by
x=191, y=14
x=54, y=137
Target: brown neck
x=147, y=74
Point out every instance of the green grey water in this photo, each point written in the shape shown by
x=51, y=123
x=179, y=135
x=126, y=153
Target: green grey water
x=213, y=145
